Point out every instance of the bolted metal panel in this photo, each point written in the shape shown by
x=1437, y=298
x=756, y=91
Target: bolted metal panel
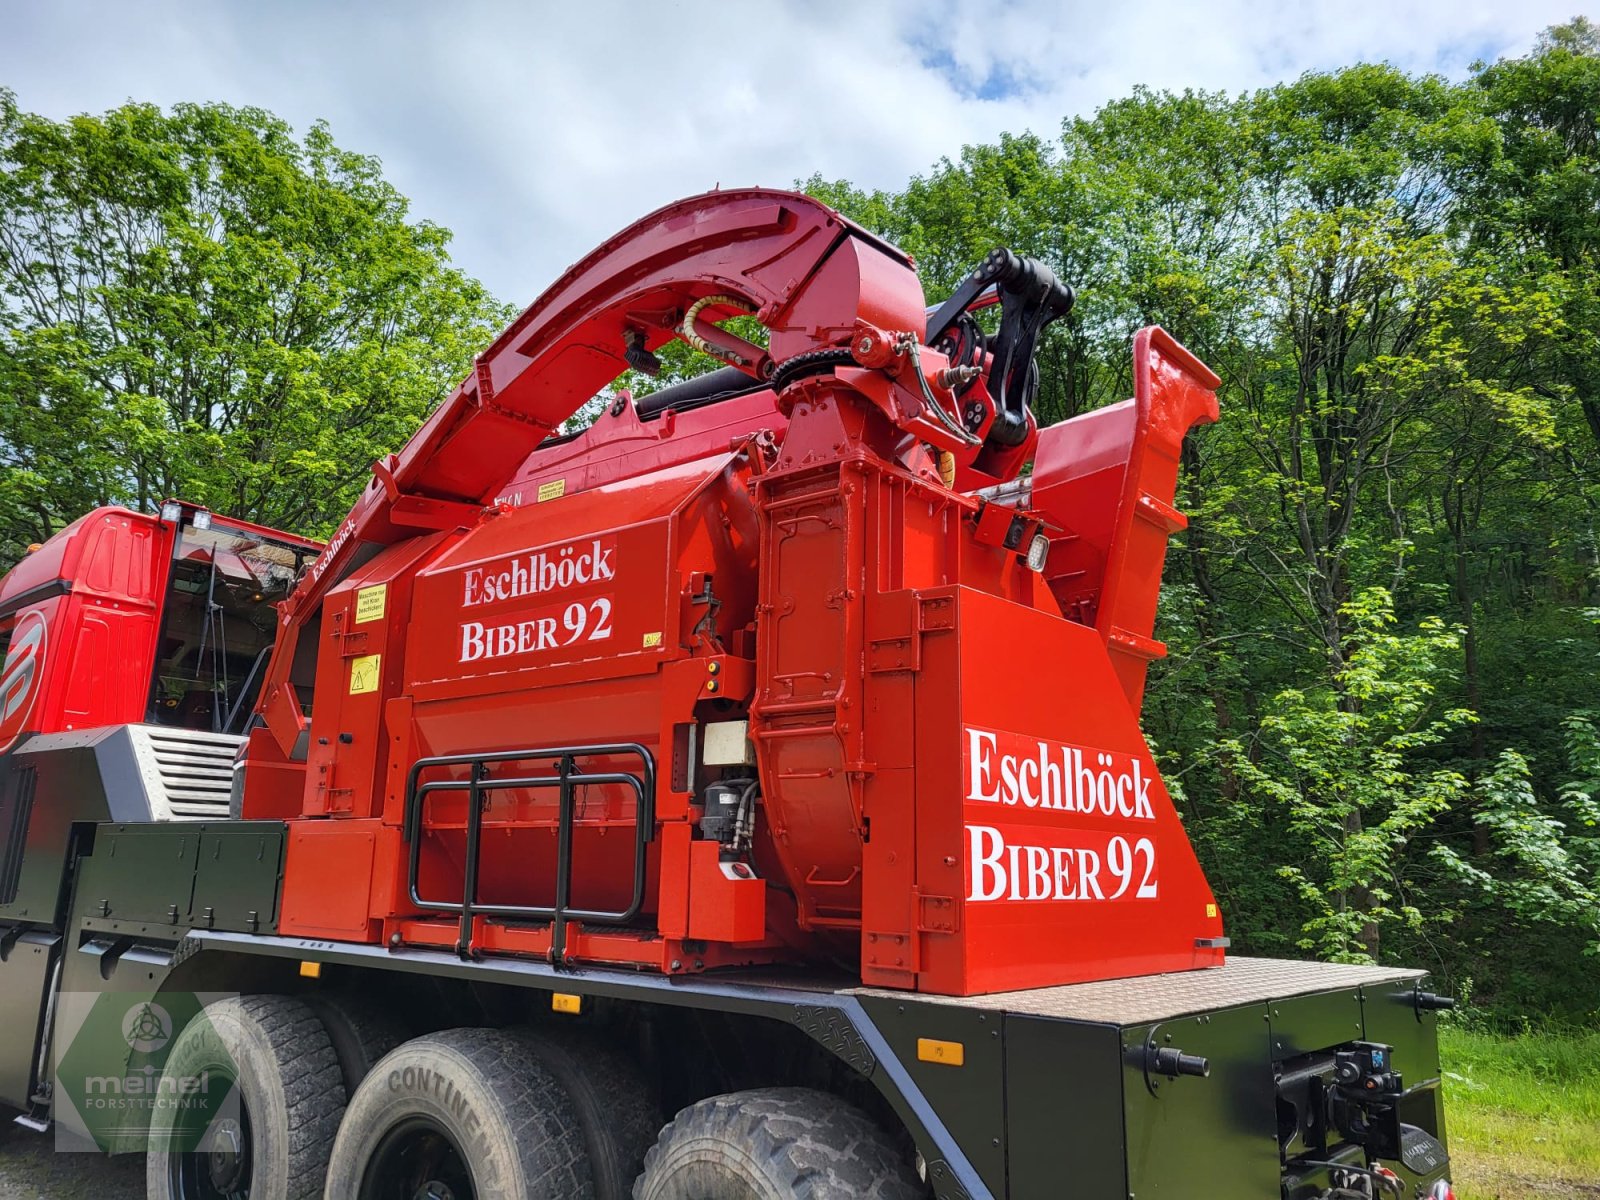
x=1306, y=1024
x=238, y=873
x=187, y=773
x=66, y=786
x=25, y=963
x=1216, y=1136
x=141, y=874
x=1392, y=1016
x=127, y=774
x=212, y=876
x=1064, y=1110
x=1158, y=997
x=833, y=1030
x=971, y=1098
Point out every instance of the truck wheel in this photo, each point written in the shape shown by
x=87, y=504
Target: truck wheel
x=466, y=1114
x=775, y=1144
x=616, y=1107
x=360, y=1031
x=274, y=1143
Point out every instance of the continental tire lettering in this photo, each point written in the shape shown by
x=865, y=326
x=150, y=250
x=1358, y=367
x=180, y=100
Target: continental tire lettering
x=428, y=1082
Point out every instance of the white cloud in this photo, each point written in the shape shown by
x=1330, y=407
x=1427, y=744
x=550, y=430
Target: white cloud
x=535, y=131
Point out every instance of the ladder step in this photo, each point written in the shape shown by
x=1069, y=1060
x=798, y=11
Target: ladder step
x=1161, y=514
x=1131, y=643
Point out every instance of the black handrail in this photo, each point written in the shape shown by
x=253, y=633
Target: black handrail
x=568, y=779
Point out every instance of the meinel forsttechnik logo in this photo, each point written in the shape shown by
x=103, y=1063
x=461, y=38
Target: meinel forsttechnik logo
x=147, y=1027
x=117, y=1088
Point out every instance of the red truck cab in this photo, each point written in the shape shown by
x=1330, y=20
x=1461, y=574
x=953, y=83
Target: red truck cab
x=126, y=618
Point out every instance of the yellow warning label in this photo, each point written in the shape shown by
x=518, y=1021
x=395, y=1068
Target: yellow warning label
x=370, y=602
x=1211, y=910
x=652, y=639
x=549, y=491
x=364, y=673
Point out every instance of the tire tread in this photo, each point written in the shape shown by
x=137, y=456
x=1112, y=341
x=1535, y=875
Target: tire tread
x=308, y=1070
x=616, y=1107
x=808, y=1144
x=540, y=1123
x=313, y=1088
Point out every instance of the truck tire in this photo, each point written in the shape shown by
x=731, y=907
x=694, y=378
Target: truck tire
x=361, y=1033
x=776, y=1144
x=275, y=1145
x=616, y=1107
x=468, y=1113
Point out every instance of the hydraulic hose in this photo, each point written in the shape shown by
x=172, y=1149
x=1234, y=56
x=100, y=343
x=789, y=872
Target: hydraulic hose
x=691, y=335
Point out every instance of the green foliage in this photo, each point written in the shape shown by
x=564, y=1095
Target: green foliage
x=1540, y=868
x=1536, y=868
x=1343, y=762
x=1541, y=202
x=197, y=303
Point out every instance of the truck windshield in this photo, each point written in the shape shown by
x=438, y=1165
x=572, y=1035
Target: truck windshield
x=218, y=625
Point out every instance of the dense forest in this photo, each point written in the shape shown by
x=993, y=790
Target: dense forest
x=1379, y=712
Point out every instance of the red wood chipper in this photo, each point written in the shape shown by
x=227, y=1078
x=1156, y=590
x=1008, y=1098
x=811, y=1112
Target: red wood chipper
x=787, y=663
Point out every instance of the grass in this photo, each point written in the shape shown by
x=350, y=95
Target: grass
x=1523, y=1114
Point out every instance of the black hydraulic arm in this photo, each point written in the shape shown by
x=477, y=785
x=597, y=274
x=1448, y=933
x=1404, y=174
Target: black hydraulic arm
x=1030, y=298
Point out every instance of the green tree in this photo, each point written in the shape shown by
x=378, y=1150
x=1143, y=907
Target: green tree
x=1348, y=777
x=1542, y=202
x=198, y=303
x=1543, y=867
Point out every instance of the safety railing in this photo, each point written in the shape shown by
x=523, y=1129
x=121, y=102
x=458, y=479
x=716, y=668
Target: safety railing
x=568, y=778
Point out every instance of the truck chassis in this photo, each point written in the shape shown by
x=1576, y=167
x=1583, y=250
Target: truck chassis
x=1045, y=1092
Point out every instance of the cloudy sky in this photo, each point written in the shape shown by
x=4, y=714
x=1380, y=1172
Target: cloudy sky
x=536, y=130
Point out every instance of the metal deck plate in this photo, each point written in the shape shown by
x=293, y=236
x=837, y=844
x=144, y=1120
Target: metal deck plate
x=1159, y=997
